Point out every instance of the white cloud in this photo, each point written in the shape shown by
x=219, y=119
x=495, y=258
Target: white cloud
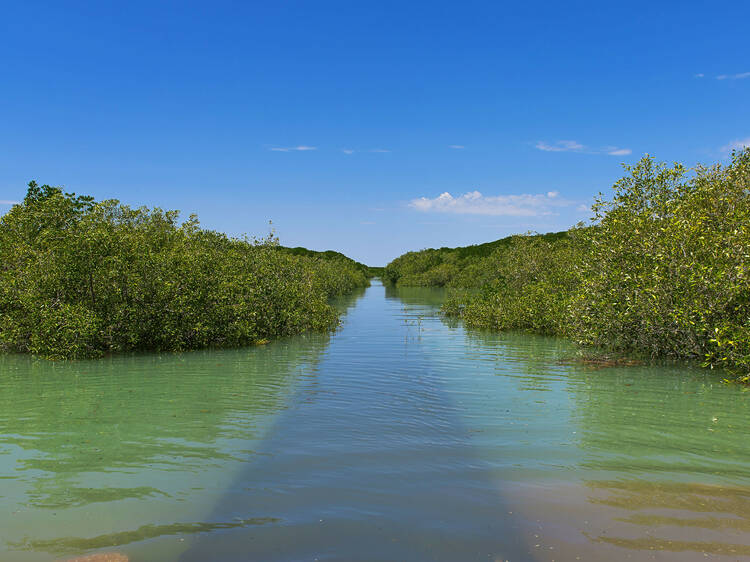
x=560, y=146
x=575, y=146
x=367, y=222
x=736, y=145
x=456, y=146
x=614, y=151
x=9, y=202
x=739, y=76
x=699, y=75
x=300, y=148
x=474, y=203
x=352, y=151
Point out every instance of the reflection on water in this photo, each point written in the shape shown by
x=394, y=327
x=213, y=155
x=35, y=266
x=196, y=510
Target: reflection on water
x=401, y=437
x=647, y=459
x=103, y=453
x=127, y=443
x=669, y=454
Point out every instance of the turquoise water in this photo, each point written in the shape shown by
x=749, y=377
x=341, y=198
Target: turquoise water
x=399, y=437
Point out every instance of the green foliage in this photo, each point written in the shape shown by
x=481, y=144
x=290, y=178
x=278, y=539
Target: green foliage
x=526, y=286
x=80, y=278
x=662, y=271
x=666, y=271
x=330, y=255
x=451, y=267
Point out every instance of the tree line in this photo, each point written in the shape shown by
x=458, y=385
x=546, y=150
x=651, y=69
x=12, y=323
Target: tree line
x=662, y=270
x=81, y=278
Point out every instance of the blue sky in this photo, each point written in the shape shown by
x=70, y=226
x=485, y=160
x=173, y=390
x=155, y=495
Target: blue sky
x=345, y=122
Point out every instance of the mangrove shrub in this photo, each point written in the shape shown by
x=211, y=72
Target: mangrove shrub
x=79, y=278
x=666, y=269
x=662, y=270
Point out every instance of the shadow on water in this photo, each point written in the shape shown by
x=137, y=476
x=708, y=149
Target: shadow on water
x=418, y=440
x=400, y=437
x=372, y=461
x=99, y=454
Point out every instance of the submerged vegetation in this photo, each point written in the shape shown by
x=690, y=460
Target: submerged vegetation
x=663, y=270
x=80, y=278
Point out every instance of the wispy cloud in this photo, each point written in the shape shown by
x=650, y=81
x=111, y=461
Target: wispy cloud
x=738, y=144
x=378, y=150
x=474, y=203
x=575, y=146
x=8, y=202
x=367, y=222
x=614, y=151
x=699, y=75
x=347, y=150
x=560, y=146
x=739, y=76
x=456, y=146
x=301, y=148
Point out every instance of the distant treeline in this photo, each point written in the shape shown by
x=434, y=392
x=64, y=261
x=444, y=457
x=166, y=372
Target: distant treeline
x=463, y=267
x=662, y=270
x=333, y=256
x=80, y=278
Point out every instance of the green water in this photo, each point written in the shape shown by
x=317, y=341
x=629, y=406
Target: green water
x=399, y=437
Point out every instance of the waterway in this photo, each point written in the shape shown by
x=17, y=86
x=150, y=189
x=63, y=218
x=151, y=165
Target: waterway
x=401, y=436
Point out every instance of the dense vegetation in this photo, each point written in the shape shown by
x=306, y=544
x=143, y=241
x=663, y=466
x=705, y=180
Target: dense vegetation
x=330, y=255
x=80, y=278
x=662, y=270
x=452, y=267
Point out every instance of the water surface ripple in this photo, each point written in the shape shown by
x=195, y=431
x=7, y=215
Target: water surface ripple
x=399, y=437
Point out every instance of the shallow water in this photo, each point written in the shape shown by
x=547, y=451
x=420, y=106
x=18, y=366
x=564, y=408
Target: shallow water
x=399, y=437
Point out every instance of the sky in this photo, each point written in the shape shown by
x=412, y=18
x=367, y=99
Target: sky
x=370, y=128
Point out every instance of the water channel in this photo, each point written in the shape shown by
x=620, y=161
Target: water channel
x=401, y=436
